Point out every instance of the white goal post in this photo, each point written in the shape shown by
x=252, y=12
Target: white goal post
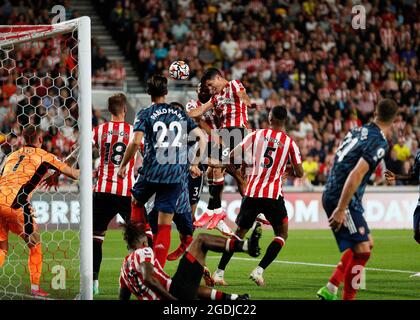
x=21, y=34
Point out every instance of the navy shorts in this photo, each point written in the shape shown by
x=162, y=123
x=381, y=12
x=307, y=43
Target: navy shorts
x=183, y=222
x=195, y=186
x=354, y=230
x=416, y=224
x=166, y=196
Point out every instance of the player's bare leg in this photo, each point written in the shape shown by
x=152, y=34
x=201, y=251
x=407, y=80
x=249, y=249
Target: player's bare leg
x=273, y=250
x=330, y=291
x=34, y=262
x=98, y=239
x=237, y=174
x=193, y=210
x=162, y=242
x=218, y=276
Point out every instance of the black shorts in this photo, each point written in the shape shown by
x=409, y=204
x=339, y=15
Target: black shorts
x=273, y=209
x=416, y=224
x=106, y=206
x=195, y=186
x=186, y=281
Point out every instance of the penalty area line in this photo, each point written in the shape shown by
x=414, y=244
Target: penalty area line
x=257, y=260
x=316, y=264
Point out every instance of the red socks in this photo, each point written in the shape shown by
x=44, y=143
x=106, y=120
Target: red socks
x=352, y=274
x=338, y=275
x=162, y=242
x=138, y=213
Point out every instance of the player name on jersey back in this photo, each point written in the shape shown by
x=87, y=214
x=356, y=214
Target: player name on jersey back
x=111, y=139
x=166, y=131
x=269, y=151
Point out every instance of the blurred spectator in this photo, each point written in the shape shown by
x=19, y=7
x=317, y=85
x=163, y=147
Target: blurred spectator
x=311, y=168
x=401, y=150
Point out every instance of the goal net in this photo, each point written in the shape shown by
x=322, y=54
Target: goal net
x=45, y=82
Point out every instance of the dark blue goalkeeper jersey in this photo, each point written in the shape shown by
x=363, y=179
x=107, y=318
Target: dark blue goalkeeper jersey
x=367, y=142
x=166, y=130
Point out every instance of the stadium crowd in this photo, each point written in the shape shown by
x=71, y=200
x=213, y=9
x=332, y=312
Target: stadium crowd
x=301, y=54
x=38, y=82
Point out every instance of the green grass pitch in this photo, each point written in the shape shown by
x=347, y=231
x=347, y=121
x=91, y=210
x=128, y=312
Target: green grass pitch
x=302, y=267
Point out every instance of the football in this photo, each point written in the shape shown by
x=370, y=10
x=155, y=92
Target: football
x=179, y=70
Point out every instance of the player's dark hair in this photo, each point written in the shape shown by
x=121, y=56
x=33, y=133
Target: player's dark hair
x=279, y=113
x=157, y=86
x=177, y=105
x=210, y=74
x=386, y=110
x=204, y=94
x=133, y=232
x=30, y=134
x=116, y=103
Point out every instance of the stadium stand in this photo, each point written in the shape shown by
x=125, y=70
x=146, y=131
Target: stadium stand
x=53, y=106
x=301, y=54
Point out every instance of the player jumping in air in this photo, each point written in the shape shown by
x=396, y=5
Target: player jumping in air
x=112, y=194
x=24, y=169
x=355, y=161
x=230, y=103
x=143, y=276
x=165, y=129
x=209, y=122
x=414, y=175
x=270, y=150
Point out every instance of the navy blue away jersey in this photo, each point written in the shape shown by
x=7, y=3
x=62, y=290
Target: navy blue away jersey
x=416, y=171
x=166, y=130
x=367, y=142
x=416, y=167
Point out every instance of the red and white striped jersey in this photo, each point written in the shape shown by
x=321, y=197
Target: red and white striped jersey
x=208, y=117
x=111, y=139
x=270, y=150
x=232, y=111
x=132, y=277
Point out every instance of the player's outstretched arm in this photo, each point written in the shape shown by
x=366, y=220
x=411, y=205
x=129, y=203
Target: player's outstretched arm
x=198, y=112
x=132, y=148
x=197, y=132
x=245, y=98
x=295, y=170
x=151, y=282
x=71, y=172
x=390, y=176
x=351, y=185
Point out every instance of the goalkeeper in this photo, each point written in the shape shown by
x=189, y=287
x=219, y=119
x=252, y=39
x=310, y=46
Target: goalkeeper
x=23, y=171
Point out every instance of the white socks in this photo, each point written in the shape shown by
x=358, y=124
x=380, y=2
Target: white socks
x=245, y=246
x=332, y=288
x=220, y=273
x=34, y=287
x=259, y=270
